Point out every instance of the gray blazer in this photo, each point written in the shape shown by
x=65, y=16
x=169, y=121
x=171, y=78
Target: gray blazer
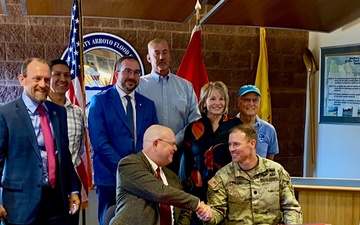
x=139, y=192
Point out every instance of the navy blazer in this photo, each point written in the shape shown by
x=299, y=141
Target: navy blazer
x=21, y=163
x=110, y=134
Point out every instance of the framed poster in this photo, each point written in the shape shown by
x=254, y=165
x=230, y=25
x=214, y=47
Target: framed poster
x=340, y=84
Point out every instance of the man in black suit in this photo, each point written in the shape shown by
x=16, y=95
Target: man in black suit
x=145, y=185
x=38, y=179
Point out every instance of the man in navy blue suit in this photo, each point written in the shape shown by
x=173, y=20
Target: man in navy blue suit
x=118, y=119
x=33, y=130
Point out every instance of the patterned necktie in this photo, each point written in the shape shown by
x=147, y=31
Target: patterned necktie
x=165, y=210
x=49, y=145
x=130, y=116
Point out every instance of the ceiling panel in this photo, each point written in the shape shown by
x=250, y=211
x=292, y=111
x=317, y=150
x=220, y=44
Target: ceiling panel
x=171, y=10
x=313, y=15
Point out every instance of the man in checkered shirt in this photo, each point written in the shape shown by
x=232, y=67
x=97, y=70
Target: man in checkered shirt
x=59, y=85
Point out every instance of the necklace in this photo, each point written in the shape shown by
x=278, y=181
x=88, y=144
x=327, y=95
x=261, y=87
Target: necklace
x=215, y=126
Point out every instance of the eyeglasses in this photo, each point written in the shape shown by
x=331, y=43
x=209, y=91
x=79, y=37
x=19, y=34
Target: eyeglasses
x=128, y=72
x=249, y=100
x=173, y=144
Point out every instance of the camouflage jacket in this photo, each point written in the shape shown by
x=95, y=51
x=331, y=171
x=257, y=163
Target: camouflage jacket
x=267, y=198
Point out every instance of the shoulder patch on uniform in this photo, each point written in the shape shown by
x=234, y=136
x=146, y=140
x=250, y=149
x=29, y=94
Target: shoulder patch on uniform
x=213, y=183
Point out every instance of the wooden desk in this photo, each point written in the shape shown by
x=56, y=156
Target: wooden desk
x=332, y=201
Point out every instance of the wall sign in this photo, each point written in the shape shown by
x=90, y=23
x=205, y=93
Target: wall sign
x=99, y=64
x=340, y=84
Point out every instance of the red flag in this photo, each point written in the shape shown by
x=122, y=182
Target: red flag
x=192, y=66
x=76, y=94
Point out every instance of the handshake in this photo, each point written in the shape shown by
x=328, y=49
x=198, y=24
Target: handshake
x=203, y=212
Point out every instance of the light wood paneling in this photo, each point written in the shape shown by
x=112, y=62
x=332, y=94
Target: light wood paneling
x=314, y=15
x=172, y=11
x=336, y=207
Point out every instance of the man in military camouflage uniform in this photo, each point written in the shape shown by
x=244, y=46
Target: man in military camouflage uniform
x=251, y=189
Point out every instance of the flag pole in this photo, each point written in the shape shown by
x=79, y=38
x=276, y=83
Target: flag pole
x=197, y=8
x=81, y=53
x=81, y=62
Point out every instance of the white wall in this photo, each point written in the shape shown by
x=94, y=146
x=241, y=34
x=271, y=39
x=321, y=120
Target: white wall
x=338, y=145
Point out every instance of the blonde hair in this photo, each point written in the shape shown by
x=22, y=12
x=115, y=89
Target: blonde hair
x=206, y=91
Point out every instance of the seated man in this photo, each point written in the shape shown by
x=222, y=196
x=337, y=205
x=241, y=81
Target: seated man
x=147, y=192
x=251, y=189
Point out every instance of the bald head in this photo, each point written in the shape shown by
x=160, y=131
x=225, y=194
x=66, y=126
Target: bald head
x=159, y=144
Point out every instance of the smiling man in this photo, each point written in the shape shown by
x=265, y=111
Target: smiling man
x=118, y=118
x=148, y=193
x=59, y=85
x=248, y=101
x=38, y=180
x=251, y=189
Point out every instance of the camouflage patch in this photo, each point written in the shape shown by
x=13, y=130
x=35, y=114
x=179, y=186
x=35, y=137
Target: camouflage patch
x=213, y=183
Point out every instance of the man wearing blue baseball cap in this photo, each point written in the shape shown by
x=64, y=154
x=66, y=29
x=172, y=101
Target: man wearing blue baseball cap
x=248, y=101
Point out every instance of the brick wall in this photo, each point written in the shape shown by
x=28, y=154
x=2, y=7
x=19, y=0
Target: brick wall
x=230, y=54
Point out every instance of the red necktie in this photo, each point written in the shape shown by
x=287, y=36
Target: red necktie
x=165, y=210
x=49, y=145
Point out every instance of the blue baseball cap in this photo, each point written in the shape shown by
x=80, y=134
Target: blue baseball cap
x=247, y=89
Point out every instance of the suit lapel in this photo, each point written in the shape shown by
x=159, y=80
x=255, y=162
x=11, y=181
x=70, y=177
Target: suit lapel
x=23, y=116
x=54, y=120
x=140, y=113
x=118, y=106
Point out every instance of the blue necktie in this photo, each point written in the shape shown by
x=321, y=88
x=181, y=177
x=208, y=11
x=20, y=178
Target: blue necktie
x=130, y=116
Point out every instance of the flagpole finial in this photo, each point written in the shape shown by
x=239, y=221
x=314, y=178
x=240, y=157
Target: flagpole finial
x=197, y=8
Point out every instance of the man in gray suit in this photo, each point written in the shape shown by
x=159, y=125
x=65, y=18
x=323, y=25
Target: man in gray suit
x=38, y=180
x=145, y=185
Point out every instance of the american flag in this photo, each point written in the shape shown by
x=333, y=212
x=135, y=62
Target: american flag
x=76, y=93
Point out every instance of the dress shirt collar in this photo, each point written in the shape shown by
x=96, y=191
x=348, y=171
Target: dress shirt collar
x=123, y=94
x=30, y=104
x=257, y=120
x=158, y=78
x=67, y=102
x=152, y=163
